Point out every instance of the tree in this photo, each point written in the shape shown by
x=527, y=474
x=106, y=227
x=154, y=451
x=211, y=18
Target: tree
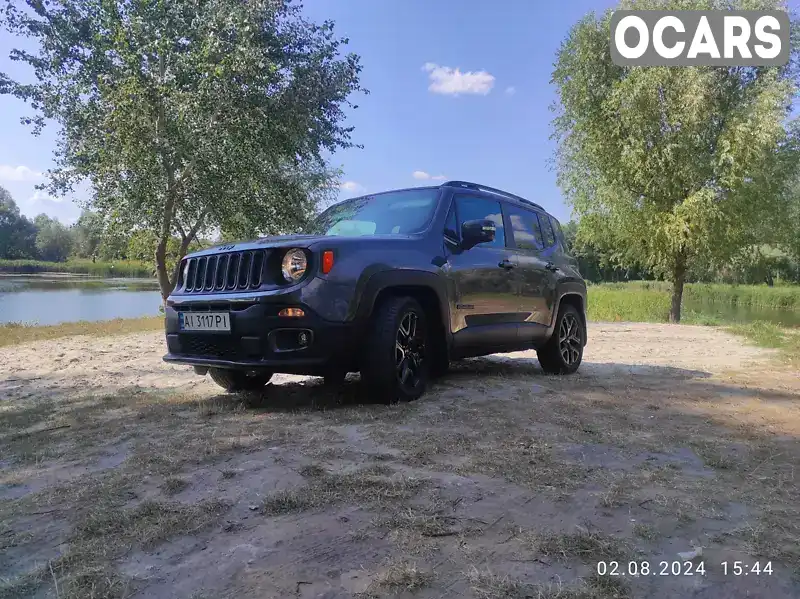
x=17, y=233
x=669, y=165
x=53, y=240
x=187, y=115
x=87, y=234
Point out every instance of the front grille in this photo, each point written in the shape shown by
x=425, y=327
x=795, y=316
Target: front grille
x=213, y=307
x=234, y=271
x=210, y=346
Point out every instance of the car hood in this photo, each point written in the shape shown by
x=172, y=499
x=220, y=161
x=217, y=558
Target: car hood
x=283, y=241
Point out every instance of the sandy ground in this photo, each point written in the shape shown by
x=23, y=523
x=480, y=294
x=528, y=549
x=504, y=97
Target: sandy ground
x=123, y=476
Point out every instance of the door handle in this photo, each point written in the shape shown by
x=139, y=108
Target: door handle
x=551, y=267
x=506, y=263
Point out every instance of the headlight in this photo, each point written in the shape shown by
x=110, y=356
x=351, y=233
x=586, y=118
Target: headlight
x=294, y=265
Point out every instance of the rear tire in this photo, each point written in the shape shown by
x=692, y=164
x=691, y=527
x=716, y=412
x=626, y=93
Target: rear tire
x=395, y=365
x=234, y=381
x=563, y=352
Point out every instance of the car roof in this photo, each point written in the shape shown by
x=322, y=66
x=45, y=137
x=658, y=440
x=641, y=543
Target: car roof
x=524, y=203
x=513, y=199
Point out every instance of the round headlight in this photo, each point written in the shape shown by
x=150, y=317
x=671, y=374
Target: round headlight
x=294, y=265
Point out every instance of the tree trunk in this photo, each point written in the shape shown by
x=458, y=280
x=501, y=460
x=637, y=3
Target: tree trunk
x=164, y=284
x=678, y=279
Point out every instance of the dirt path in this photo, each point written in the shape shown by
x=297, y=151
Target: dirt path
x=123, y=476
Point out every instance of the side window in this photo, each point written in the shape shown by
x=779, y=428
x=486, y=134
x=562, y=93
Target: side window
x=525, y=229
x=559, y=234
x=472, y=208
x=547, y=231
x=450, y=225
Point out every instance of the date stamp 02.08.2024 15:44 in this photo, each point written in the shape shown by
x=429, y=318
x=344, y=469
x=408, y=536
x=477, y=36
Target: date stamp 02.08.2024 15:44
x=682, y=568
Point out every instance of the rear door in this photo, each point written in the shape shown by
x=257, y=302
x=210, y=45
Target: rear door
x=536, y=281
x=487, y=303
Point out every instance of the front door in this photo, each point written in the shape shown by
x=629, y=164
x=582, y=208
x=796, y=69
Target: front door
x=486, y=311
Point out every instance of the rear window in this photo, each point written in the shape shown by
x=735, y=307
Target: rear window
x=525, y=228
x=547, y=231
x=559, y=234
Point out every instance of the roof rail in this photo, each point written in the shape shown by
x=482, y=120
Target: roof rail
x=480, y=187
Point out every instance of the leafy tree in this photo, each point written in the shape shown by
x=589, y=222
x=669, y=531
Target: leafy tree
x=185, y=115
x=53, y=240
x=594, y=264
x=667, y=166
x=87, y=235
x=17, y=233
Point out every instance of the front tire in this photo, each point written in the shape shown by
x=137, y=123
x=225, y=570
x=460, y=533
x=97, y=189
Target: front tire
x=395, y=365
x=563, y=352
x=334, y=378
x=234, y=381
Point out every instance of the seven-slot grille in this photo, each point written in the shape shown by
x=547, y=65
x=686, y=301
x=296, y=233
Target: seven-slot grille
x=224, y=272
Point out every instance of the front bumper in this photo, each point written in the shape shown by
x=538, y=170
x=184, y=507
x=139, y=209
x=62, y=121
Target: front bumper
x=259, y=338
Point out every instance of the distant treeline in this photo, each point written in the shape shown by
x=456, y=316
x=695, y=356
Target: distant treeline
x=752, y=266
x=88, y=246
x=98, y=268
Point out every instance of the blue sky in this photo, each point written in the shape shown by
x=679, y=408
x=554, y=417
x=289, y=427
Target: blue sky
x=459, y=90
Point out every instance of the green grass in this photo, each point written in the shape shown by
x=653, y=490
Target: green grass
x=649, y=301
x=118, y=268
x=15, y=333
x=780, y=297
x=767, y=334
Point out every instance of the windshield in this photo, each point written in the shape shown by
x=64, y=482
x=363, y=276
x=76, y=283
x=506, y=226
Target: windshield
x=395, y=212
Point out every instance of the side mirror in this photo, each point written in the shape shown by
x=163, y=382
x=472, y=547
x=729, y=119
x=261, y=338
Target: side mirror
x=478, y=231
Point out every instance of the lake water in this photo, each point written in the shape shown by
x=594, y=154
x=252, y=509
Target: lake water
x=52, y=299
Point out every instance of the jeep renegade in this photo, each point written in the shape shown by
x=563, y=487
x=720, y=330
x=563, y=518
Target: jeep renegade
x=393, y=285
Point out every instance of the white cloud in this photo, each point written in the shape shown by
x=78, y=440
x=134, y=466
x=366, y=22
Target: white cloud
x=449, y=81
x=43, y=197
x=511, y=90
x=18, y=173
x=351, y=187
x=426, y=177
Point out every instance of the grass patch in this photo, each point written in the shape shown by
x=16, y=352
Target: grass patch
x=325, y=489
x=649, y=301
x=16, y=333
x=106, y=532
x=118, y=268
x=174, y=485
x=488, y=585
x=645, y=531
x=765, y=334
x=780, y=297
x=400, y=576
x=585, y=545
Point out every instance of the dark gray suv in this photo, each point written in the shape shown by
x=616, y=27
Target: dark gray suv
x=393, y=285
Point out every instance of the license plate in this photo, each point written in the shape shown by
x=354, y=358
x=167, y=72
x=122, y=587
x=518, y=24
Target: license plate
x=204, y=321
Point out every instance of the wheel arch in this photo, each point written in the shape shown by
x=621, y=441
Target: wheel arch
x=427, y=288
x=575, y=296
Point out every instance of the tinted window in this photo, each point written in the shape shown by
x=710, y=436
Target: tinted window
x=450, y=225
x=547, y=231
x=470, y=208
x=403, y=212
x=559, y=234
x=525, y=229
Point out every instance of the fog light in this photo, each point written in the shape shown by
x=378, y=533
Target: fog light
x=302, y=338
x=291, y=313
